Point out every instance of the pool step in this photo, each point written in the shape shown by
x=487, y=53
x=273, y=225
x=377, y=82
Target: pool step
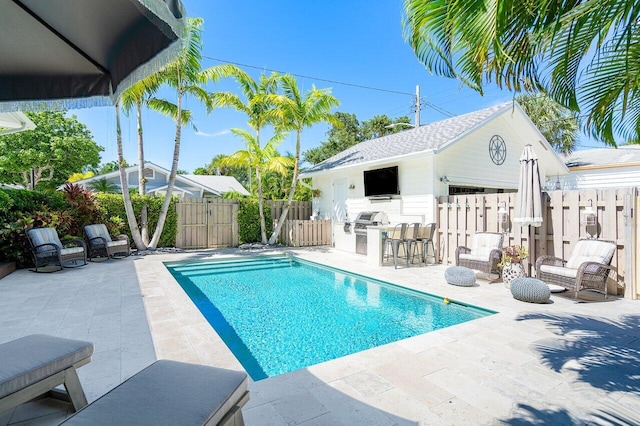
x=226, y=267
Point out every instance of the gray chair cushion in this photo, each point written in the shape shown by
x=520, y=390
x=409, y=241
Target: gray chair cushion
x=460, y=276
x=97, y=230
x=530, y=290
x=167, y=393
x=30, y=359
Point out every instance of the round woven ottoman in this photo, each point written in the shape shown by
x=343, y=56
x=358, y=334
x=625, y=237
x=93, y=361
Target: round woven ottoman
x=530, y=290
x=460, y=276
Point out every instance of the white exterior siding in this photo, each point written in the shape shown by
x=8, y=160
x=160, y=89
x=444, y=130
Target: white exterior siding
x=613, y=177
x=414, y=204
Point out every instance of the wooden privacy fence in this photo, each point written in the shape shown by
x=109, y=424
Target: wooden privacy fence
x=207, y=223
x=459, y=217
x=303, y=233
x=300, y=210
x=213, y=223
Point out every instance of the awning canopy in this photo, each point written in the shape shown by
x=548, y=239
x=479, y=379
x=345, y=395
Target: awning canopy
x=78, y=53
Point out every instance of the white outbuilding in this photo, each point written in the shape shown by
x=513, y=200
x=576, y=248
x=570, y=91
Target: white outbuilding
x=403, y=174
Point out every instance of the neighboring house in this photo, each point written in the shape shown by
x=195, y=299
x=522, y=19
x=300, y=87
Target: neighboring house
x=13, y=122
x=478, y=152
x=186, y=186
x=600, y=168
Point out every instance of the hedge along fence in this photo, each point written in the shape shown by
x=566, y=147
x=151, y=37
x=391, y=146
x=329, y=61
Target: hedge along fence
x=249, y=220
x=111, y=207
x=22, y=209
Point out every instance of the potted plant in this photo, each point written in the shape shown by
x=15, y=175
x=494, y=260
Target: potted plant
x=511, y=263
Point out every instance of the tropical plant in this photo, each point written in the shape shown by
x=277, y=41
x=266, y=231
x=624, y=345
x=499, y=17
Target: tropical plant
x=261, y=160
x=295, y=112
x=186, y=76
x=103, y=185
x=583, y=54
x=558, y=124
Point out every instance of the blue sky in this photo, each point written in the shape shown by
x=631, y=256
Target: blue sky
x=356, y=42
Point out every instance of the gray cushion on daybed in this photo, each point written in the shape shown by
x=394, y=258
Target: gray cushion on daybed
x=32, y=358
x=167, y=393
x=460, y=276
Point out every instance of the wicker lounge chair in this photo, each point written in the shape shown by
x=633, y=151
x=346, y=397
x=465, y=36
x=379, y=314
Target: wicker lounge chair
x=484, y=254
x=47, y=249
x=102, y=245
x=588, y=267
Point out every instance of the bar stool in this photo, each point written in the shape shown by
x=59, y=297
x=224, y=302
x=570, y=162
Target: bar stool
x=412, y=242
x=426, y=240
x=393, y=243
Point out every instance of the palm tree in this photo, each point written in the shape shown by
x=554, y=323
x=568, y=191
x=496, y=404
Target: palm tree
x=295, y=112
x=558, y=124
x=103, y=185
x=583, y=54
x=261, y=160
x=187, y=77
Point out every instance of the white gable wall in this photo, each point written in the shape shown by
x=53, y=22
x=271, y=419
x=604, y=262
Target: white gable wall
x=467, y=162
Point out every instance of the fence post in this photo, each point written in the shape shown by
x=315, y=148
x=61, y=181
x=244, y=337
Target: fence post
x=630, y=291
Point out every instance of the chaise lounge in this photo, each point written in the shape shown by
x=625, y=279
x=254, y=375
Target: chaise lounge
x=165, y=393
x=33, y=365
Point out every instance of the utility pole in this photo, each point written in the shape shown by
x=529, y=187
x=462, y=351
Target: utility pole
x=417, y=117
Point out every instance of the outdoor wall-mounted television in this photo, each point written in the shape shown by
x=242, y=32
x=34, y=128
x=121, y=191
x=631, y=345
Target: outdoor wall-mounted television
x=380, y=182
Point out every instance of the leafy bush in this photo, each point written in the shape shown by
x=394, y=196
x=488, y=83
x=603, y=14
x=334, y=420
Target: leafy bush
x=111, y=207
x=21, y=210
x=249, y=220
x=24, y=210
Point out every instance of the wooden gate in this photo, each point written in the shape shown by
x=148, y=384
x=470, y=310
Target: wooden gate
x=459, y=217
x=207, y=223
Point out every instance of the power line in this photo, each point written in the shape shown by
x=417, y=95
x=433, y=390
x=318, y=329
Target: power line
x=360, y=86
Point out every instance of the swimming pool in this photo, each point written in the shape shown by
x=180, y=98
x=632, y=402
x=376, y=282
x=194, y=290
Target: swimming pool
x=279, y=313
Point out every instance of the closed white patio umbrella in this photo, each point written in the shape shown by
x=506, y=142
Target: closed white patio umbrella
x=528, y=209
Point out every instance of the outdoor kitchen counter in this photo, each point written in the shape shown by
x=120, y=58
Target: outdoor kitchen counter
x=375, y=243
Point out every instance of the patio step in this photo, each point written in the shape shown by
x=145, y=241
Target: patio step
x=6, y=268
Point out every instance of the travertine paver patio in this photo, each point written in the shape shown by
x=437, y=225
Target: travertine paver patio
x=559, y=363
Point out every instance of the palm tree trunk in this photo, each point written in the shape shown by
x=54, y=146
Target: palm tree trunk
x=294, y=182
x=172, y=176
x=142, y=180
x=263, y=226
x=131, y=216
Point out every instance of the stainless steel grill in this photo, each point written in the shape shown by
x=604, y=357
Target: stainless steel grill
x=362, y=222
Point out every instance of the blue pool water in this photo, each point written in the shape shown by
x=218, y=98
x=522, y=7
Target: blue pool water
x=279, y=314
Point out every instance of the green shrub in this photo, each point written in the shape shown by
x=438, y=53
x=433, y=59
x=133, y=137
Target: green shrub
x=249, y=220
x=26, y=209
x=111, y=207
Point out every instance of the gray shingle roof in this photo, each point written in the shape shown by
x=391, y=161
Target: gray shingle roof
x=220, y=184
x=601, y=156
x=424, y=138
